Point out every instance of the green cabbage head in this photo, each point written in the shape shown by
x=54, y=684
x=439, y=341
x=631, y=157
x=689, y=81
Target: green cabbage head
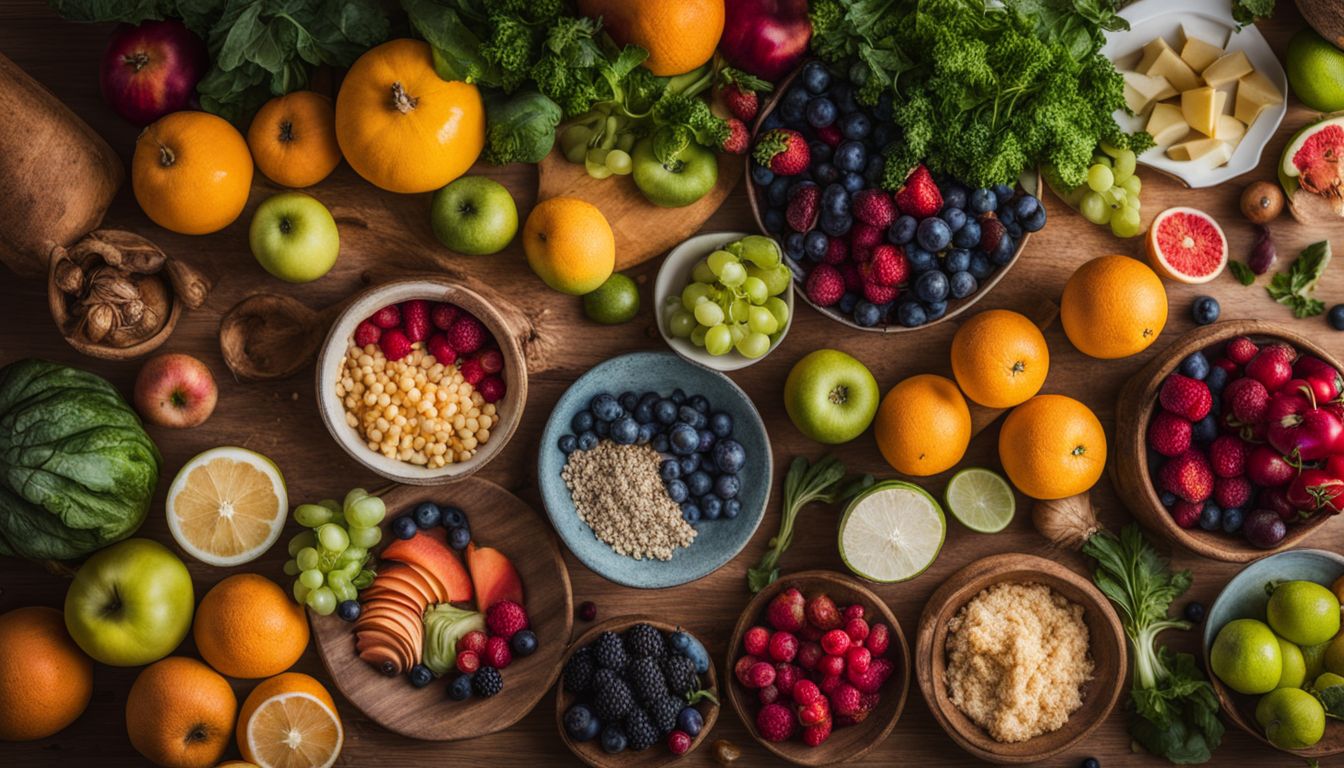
x=77, y=471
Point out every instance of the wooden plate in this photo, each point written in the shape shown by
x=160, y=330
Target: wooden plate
x=658, y=755
x=498, y=519
x=850, y=742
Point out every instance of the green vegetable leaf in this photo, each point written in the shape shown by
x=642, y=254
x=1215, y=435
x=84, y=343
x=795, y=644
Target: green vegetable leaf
x=1249, y=11
x=519, y=128
x=1332, y=698
x=1242, y=272
x=1294, y=288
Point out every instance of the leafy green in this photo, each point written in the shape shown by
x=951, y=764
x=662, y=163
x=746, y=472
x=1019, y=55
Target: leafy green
x=77, y=471
x=1295, y=287
x=519, y=128
x=1247, y=12
x=1175, y=711
x=1332, y=698
x=1242, y=272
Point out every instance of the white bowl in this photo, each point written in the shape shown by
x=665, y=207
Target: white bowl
x=509, y=410
x=1149, y=19
x=673, y=277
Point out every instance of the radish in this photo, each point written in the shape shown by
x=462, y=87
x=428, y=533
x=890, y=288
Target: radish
x=1301, y=431
x=1317, y=490
x=1267, y=468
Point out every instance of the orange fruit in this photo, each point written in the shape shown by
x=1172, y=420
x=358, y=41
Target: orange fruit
x=293, y=139
x=237, y=764
x=247, y=626
x=290, y=721
x=180, y=713
x=923, y=425
x=569, y=244
x=45, y=680
x=1000, y=358
x=1113, y=306
x=191, y=172
x=1186, y=245
x=1052, y=446
x=679, y=35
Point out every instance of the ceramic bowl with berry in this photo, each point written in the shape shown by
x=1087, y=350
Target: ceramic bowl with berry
x=875, y=248
x=421, y=381
x=1232, y=441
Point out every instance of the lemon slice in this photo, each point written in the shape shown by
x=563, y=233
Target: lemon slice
x=293, y=730
x=981, y=500
x=227, y=506
x=892, y=532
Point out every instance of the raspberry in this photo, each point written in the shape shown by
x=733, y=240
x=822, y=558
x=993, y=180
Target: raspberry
x=783, y=646
x=858, y=658
x=874, y=207
x=367, y=333
x=756, y=641
x=768, y=694
x=831, y=665
x=786, y=676
x=497, y=653
x=835, y=642
x=742, y=668
x=760, y=675
x=879, y=637
x=845, y=700
x=472, y=641
x=837, y=250
x=805, y=692
x=492, y=389
x=468, y=662
x=505, y=618
x=471, y=371
x=775, y=722
x=441, y=350
x=1227, y=455
x=878, y=294
x=824, y=286
x=492, y=360
x=854, y=611
x=816, y=735
x=1169, y=434
x=828, y=683
x=467, y=334
x=387, y=317
x=1240, y=350
x=1232, y=492
x=415, y=319
x=809, y=653
x=857, y=629
x=822, y=613
x=443, y=315
x=1186, y=513
x=394, y=344
x=888, y=265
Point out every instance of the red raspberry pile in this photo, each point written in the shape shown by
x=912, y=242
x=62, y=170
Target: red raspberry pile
x=451, y=334
x=1251, y=444
x=816, y=667
x=491, y=648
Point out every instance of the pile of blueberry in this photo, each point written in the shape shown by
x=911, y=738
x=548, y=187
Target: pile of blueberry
x=701, y=460
x=856, y=249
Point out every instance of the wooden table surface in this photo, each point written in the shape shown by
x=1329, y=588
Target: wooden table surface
x=281, y=420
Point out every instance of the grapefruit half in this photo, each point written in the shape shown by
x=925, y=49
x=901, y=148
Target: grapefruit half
x=1311, y=171
x=1187, y=245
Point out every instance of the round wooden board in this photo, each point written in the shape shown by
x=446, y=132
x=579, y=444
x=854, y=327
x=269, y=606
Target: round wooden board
x=501, y=520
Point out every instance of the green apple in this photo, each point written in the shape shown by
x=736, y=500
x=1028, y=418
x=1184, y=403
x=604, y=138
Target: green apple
x=294, y=237
x=686, y=179
x=1291, y=717
x=830, y=396
x=130, y=604
x=474, y=216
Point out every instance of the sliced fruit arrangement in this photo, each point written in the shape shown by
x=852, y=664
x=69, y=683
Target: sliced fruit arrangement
x=1187, y=245
x=329, y=558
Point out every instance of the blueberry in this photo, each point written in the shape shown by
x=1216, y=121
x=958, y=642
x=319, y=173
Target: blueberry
x=962, y=284
x=919, y=259
x=1025, y=206
x=721, y=424
x=729, y=456
x=1091, y=762
x=795, y=101
x=676, y=489
x=866, y=314
x=582, y=422
x=934, y=310
x=1014, y=229
x=349, y=610
x=602, y=428
x=698, y=484
x=777, y=193
x=825, y=173
x=567, y=444
x=1035, y=222
x=982, y=201
x=1336, y=317
x=774, y=222
x=902, y=230
x=1167, y=498
x=853, y=182
x=711, y=506
x=700, y=403
x=835, y=199
x=706, y=441
x=678, y=397
x=659, y=443
x=1195, y=365
x=1194, y=612
x=1217, y=379
x=968, y=236
x=1004, y=251
x=956, y=260
x=459, y=538
x=874, y=169
x=981, y=266
x=850, y=156
x=683, y=439
x=605, y=407
x=1211, y=517
x=643, y=412
x=628, y=400
x=910, y=314
x=665, y=411
x=1206, y=429
x=523, y=643
x=760, y=175
x=580, y=723
x=1232, y=520
x=669, y=469
x=625, y=431
x=885, y=131
x=931, y=286
x=1003, y=193
x=815, y=244
x=404, y=527
x=690, y=415
x=1205, y=310
x=420, y=676
x=646, y=433
x=836, y=226
x=690, y=721
x=933, y=234
x=844, y=97
x=848, y=302
x=954, y=196
x=772, y=121
x=820, y=112
x=460, y=688
x=690, y=512
x=689, y=464
x=427, y=514
x=955, y=218
x=815, y=77
x=588, y=441
x=731, y=509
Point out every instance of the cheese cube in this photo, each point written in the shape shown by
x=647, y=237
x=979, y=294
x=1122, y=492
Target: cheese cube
x=1228, y=68
x=1199, y=54
x=1254, y=93
x=1229, y=129
x=1151, y=51
x=1167, y=125
x=1210, y=152
x=1201, y=108
x=1178, y=73
x=1142, y=90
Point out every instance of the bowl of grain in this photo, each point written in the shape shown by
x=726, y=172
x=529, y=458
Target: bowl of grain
x=1008, y=616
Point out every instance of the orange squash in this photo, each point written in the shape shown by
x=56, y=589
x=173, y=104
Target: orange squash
x=293, y=139
x=191, y=172
x=403, y=127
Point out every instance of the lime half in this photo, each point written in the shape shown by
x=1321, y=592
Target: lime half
x=892, y=532
x=981, y=500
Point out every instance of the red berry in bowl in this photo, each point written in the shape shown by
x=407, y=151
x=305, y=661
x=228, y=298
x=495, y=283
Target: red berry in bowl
x=467, y=334
x=394, y=344
x=756, y=641
x=858, y=658
x=775, y=722
x=468, y=662
x=387, y=317
x=1264, y=528
x=492, y=360
x=1169, y=434
x=768, y=694
x=471, y=371
x=1240, y=350
x=809, y=653
x=678, y=742
x=473, y=641
x=367, y=333
x=835, y=642
x=760, y=674
x=857, y=629
x=443, y=315
x=497, y=653
x=805, y=692
x=742, y=668
x=879, y=637
x=786, y=676
x=442, y=351
x=816, y=735
x=415, y=319
x=831, y=665
x=783, y=646
x=492, y=389
x=852, y=612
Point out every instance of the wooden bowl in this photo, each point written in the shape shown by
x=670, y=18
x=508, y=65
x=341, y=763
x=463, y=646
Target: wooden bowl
x=500, y=520
x=850, y=742
x=591, y=752
x=1135, y=409
x=510, y=409
x=56, y=304
x=954, y=306
x=1107, y=647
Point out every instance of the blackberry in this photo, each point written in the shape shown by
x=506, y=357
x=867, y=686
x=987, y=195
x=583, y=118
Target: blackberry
x=640, y=730
x=603, y=678
x=679, y=672
x=614, y=701
x=647, y=680
x=663, y=713
x=610, y=651
x=644, y=641
x=579, y=671
x=487, y=682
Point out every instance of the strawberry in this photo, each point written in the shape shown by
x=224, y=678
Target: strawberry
x=845, y=700
x=786, y=610
x=783, y=151
x=415, y=319
x=387, y=317
x=442, y=351
x=831, y=135
x=497, y=653
x=756, y=641
x=1186, y=397
x=738, y=139
x=469, y=661
x=1240, y=350
x=919, y=196
x=1169, y=434
x=473, y=641
x=805, y=692
x=394, y=344
x=888, y=265
x=787, y=676
x=824, y=285
x=816, y=712
x=837, y=251
x=775, y=722
x=367, y=333
x=1188, y=476
x=816, y=735
x=467, y=334
x=505, y=619
x=471, y=371
x=443, y=315
x=1272, y=366
x=804, y=204
x=1227, y=456
x=874, y=207
x=822, y=613
x=853, y=278
x=492, y=389
x=876, y=292
x=857, y=629
x=858, y=658
x=869, y=680
x=862, y=239
x=1232, y=492
x=879, y=637
x=743, y=103
x=1246, y=400
x=1186, y=513
x=742, y=668
x=759, y=675
x=809, y=653
x=854, y=611
x=783, y=646
x=492, y=360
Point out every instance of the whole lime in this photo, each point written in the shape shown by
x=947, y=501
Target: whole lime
x=1316, y=71
x=1291, y=717
x=1303, y=612
x=1294, y=672
x=614, y=302
x=1246, y=656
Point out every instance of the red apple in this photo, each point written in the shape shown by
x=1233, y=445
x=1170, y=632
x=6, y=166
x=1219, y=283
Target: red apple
x=175, y=390
x=151, y=70
x=765, y=37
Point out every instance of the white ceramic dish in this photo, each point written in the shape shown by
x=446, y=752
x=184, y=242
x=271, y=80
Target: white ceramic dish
x=673, y=276
x=510, y=409
x=1212, y=20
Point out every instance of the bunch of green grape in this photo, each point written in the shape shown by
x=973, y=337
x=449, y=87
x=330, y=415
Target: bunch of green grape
x=603, y=148
x=730, y=304
x=329, y=557
x=1111, y=194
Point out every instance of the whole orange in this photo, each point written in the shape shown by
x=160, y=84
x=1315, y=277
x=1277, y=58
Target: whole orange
x=45, y=680
x=569, y=244
x=1052, y=446
x=1113, y=306
x=923, y=425
x=679, y=35
x=247, y=626
x=293, y=139
x=1000, y=358
x=180, y=713
x=191, y=172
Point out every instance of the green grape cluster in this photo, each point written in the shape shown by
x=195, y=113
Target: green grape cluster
x=1111, y=194
x=329, y=557
x=732, y=301
x=602, y=154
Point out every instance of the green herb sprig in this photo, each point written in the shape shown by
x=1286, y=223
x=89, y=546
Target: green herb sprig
x=1295, y=287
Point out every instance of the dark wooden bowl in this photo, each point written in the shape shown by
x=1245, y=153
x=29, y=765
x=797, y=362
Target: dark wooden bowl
x=1107, y=647
x=57, y=303
x=1135, y=409
x=954, y=306
x=658, y=755
x=850, y=742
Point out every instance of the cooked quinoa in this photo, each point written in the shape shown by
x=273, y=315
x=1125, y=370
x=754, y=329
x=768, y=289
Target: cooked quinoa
x=1017, y=660
x=618, y=493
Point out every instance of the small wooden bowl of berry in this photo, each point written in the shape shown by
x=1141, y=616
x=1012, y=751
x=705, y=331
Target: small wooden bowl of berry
x=820, y=668
x=421, y=381
x=635, y=691
x=1231, y=442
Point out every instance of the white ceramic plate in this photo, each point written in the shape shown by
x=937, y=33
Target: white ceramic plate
x=1211, y=20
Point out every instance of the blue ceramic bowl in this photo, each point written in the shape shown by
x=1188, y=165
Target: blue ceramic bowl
x=1244, y=595
x=716, y=541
